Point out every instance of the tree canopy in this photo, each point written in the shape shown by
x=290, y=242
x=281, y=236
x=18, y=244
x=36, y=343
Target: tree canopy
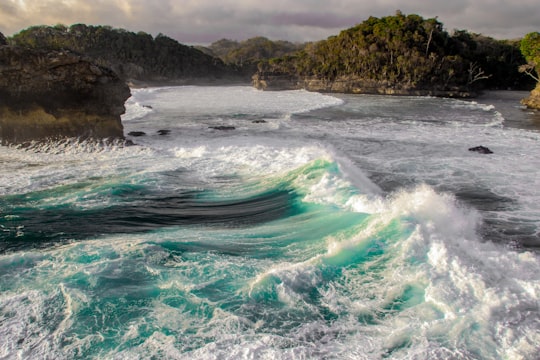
x=530, y=48
x=245, y=55
x=407, y=50
x=131, y=55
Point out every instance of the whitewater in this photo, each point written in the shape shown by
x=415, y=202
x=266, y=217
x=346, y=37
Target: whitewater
x=277, y=225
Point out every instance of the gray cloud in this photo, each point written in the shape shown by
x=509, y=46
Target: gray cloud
x=204, y=21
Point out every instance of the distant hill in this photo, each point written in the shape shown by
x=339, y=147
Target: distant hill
x=399, y=54
x=133, y=56
x=245, y=55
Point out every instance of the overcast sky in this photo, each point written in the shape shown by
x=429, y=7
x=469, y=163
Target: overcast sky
x=205, y=21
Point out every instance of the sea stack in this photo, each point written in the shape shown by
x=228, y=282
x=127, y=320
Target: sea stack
x=57, y=94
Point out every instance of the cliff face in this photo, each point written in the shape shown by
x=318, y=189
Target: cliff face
x=533, y=101
x=349, y=85
x=52, y=94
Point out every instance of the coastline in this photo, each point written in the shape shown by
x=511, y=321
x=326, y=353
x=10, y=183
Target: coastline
x=139, y=84
x=353, y=85
x=509, y=104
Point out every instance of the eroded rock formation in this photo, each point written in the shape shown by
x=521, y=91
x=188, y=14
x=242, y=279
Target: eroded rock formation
x=349, y=85
x=533, y=100
x=55, y=94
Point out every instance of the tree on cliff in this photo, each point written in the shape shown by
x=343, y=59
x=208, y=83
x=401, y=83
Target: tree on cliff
x=405, y=51
x=132, y=55
x=530, y=48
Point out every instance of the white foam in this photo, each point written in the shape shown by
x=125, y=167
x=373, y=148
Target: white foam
x=465, y=298
x=135, y=110
x=196, y=100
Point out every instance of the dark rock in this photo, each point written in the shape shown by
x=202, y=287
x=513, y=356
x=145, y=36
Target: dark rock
x=147, y=106
x=349, y=85
x=164, y=132
x=222, y=127
x=136, y=133
x=259, y=121
x=57, y=94
x=481, y=149
x=3, y=40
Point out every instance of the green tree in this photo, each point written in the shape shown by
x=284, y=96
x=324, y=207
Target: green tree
x=132, y=55
x=530, y=48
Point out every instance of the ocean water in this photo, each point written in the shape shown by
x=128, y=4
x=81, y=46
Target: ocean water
x=277, y=225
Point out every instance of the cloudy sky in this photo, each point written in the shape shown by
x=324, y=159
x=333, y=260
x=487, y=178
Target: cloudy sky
x=205, y=21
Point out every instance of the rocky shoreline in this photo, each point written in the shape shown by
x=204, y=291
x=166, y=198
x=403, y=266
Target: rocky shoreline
x=533, y=100
x=56, y=94
x=350, y=85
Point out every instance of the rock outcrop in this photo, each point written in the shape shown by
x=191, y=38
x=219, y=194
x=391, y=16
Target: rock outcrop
x=55, y=94
x=349, y=85
x=533, y=101
x=481, y=149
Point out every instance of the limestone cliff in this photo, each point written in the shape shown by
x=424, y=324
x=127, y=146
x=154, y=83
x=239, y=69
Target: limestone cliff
x=533, y=101
x=53, y=94
x=350, y=85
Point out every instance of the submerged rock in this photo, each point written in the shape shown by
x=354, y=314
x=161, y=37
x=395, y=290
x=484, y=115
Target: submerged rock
x=57, y=94
x=164, y=132
x=136, y=133
x=222, y=127
x=481, y=149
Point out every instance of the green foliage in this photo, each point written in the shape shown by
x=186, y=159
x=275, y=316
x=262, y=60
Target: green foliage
x=407, y=50
x=530, y=48
x=131, y=55
x=246, y=54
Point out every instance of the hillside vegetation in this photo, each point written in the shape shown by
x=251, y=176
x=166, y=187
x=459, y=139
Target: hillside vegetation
x=245, y=55
x=402, y=52
x=134, y=56
x=530, y=47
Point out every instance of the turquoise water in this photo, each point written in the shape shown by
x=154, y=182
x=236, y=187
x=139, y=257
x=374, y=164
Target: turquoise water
x=279, y=239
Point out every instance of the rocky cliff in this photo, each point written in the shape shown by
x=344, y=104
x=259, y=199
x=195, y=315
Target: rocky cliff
x=533, y=101
x=350, y=85
x=53, y=94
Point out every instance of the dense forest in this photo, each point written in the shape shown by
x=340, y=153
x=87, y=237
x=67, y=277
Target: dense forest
x=136, y=56
x=404, y=52
x=245, y=55
x=407, y=51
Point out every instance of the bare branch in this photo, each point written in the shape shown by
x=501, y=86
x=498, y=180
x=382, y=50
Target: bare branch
x=476, y=73
x=528, y=69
